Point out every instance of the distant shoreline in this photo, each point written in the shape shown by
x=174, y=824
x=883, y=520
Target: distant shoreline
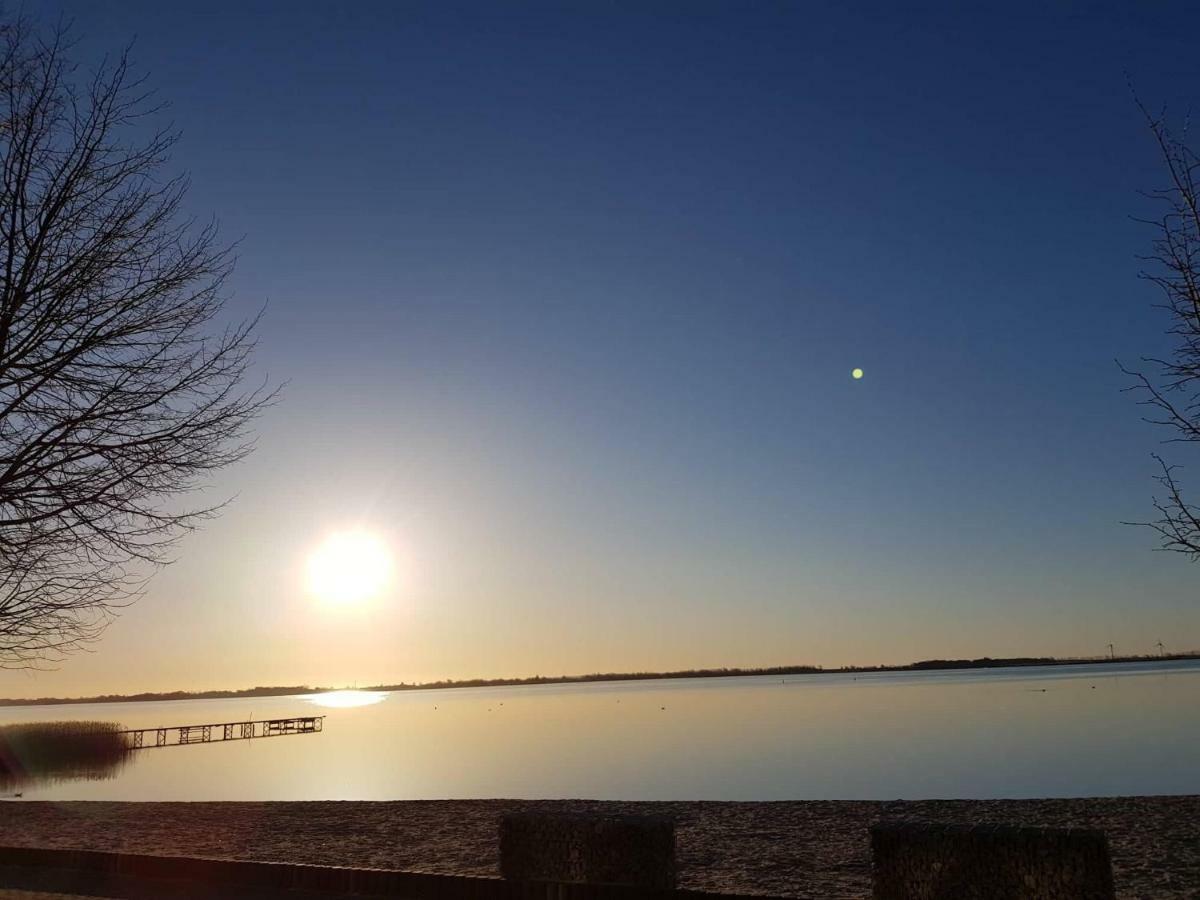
x=928, y=665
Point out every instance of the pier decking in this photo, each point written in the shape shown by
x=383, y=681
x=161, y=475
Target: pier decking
x=177, y=735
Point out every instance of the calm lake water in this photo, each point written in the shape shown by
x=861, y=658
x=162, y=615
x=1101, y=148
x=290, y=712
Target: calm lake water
x=1025, y=732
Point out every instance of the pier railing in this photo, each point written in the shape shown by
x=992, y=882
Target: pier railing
x=175, y=735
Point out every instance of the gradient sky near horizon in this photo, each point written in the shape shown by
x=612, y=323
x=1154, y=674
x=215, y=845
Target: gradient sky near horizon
x=568, y=296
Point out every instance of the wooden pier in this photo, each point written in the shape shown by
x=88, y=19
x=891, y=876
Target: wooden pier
x=177, y=735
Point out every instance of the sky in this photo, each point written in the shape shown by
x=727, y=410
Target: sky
x=566, y=298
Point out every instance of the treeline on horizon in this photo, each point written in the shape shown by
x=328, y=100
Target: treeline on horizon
x=984, y=662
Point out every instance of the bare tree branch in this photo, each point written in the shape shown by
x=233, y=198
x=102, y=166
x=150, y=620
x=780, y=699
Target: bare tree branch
x=1178, y=525
x=117, y=396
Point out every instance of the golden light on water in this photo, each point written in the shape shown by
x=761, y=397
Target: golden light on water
x=349, y=567
x=347, y=699
x=856, y=374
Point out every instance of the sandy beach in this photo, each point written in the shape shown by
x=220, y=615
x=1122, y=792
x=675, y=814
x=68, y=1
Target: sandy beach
x=803, y=849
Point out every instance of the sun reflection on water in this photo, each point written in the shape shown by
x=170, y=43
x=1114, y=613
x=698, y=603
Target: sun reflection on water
x=347, y=699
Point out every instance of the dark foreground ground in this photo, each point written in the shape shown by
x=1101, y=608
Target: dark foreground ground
x=809, y=849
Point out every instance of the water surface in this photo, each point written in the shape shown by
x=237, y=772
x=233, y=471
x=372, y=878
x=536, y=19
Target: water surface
x=1064, y=731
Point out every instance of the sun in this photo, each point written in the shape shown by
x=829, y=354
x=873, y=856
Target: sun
x=349, y=567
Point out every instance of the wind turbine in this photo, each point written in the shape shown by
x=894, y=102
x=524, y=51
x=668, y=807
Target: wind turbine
x=1111, y=655
x=1161, y=651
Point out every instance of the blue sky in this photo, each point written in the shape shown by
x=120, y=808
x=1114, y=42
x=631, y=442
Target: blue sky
x=567, y=298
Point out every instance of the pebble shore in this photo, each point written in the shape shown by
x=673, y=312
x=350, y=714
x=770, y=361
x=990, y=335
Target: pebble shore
x=802, y=849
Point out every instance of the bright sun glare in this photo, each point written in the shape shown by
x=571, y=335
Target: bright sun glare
x=349, y=567
x=347, y=699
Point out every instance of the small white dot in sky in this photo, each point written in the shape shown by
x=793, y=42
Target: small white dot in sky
x=856, y=374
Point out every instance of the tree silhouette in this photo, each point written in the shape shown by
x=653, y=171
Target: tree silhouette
x=1170, y=386
x=118, y=393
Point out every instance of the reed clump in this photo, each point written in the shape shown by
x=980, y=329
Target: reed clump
x=36, y=752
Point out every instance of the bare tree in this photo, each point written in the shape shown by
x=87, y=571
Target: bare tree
x=1171, y=390
x=118, y=392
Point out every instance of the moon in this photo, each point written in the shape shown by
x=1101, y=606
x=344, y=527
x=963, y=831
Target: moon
x=856, y=374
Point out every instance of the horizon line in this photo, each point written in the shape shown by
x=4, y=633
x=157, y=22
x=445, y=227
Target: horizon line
x=935, y=664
